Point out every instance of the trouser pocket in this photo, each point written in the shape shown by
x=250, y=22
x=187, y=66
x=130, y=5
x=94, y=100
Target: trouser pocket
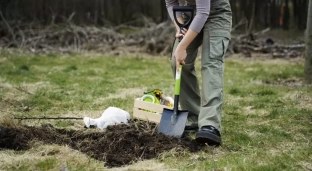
x=218, y=46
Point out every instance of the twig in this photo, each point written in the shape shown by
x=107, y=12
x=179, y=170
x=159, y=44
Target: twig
x=255, y=34
x=126, y=24
x=262, y=31
x=154, y=130
x=143, y=152
x=21, y=89
x=45, y=117
x=23, y=38
x=8, y=102
x=241, y=22
x=71, y=17
x=136, y=126
x=77, y=41
x=252, y=17
x=9, y=27
x=147, y=21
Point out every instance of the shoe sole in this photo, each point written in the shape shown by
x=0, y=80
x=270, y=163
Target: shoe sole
x=209, y=138
x=191, y=130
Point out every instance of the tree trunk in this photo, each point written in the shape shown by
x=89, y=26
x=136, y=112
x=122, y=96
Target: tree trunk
x=308, y=54
x=286, y=15
x=267, y=14
x=273, y=14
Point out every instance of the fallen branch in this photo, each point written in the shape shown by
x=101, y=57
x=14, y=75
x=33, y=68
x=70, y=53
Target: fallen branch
x=23, y=90
x=241, y=22
x=45, y=117
x=8, y=102
x=9, y=27
x=262, y=31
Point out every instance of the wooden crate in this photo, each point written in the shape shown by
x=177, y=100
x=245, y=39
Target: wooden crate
x=148, y=111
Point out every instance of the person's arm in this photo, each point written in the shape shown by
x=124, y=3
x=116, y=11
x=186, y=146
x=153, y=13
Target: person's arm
x=203, y=10
x=169, y=5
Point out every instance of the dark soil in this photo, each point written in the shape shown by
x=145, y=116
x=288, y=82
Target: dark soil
x=117, y=146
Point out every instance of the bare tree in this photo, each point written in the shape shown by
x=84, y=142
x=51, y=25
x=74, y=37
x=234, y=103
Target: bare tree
x=308, y=54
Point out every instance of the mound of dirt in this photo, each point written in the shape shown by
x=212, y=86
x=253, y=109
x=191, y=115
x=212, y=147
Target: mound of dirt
x=117, y=146
x=13, y=138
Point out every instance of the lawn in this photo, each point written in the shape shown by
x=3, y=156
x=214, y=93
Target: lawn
x=267, y=112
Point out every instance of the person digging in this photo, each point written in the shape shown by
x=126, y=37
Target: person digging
x=210, y=28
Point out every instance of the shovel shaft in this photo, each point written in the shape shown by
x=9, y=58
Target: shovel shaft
x=177, y=90
x=177, y=81
x=176, y=106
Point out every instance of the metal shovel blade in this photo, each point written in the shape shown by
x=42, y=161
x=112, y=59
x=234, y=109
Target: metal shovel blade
x=171, y=126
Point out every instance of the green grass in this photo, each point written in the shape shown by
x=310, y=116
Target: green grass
x=265, y=126
x=46, y=164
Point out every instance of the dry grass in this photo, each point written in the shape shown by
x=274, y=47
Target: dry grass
x=47, y=157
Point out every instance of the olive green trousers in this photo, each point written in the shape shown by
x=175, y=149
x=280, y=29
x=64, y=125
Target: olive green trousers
x=205, y=103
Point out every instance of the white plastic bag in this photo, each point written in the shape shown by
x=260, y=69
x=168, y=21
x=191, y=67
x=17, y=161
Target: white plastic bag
x=110, y=116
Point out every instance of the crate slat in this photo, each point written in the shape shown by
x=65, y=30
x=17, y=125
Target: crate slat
x=150, y=106
x=148, y=111
x=148, y=116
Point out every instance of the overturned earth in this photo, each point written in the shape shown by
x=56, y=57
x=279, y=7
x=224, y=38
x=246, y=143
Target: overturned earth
x=117, y=146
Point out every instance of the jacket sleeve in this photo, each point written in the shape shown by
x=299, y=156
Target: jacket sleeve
x=202, y=13
x=169, y=5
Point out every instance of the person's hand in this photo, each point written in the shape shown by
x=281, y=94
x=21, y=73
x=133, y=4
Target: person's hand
x=180, y=55
x=179, y=34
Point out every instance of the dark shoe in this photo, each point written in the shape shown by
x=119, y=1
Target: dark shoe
x=191, y=129
x=209, y=135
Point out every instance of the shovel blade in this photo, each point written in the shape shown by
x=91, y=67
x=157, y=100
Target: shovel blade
x=169, y=128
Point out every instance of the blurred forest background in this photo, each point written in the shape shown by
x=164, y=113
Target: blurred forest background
x=42, y=24
x=267, y=13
